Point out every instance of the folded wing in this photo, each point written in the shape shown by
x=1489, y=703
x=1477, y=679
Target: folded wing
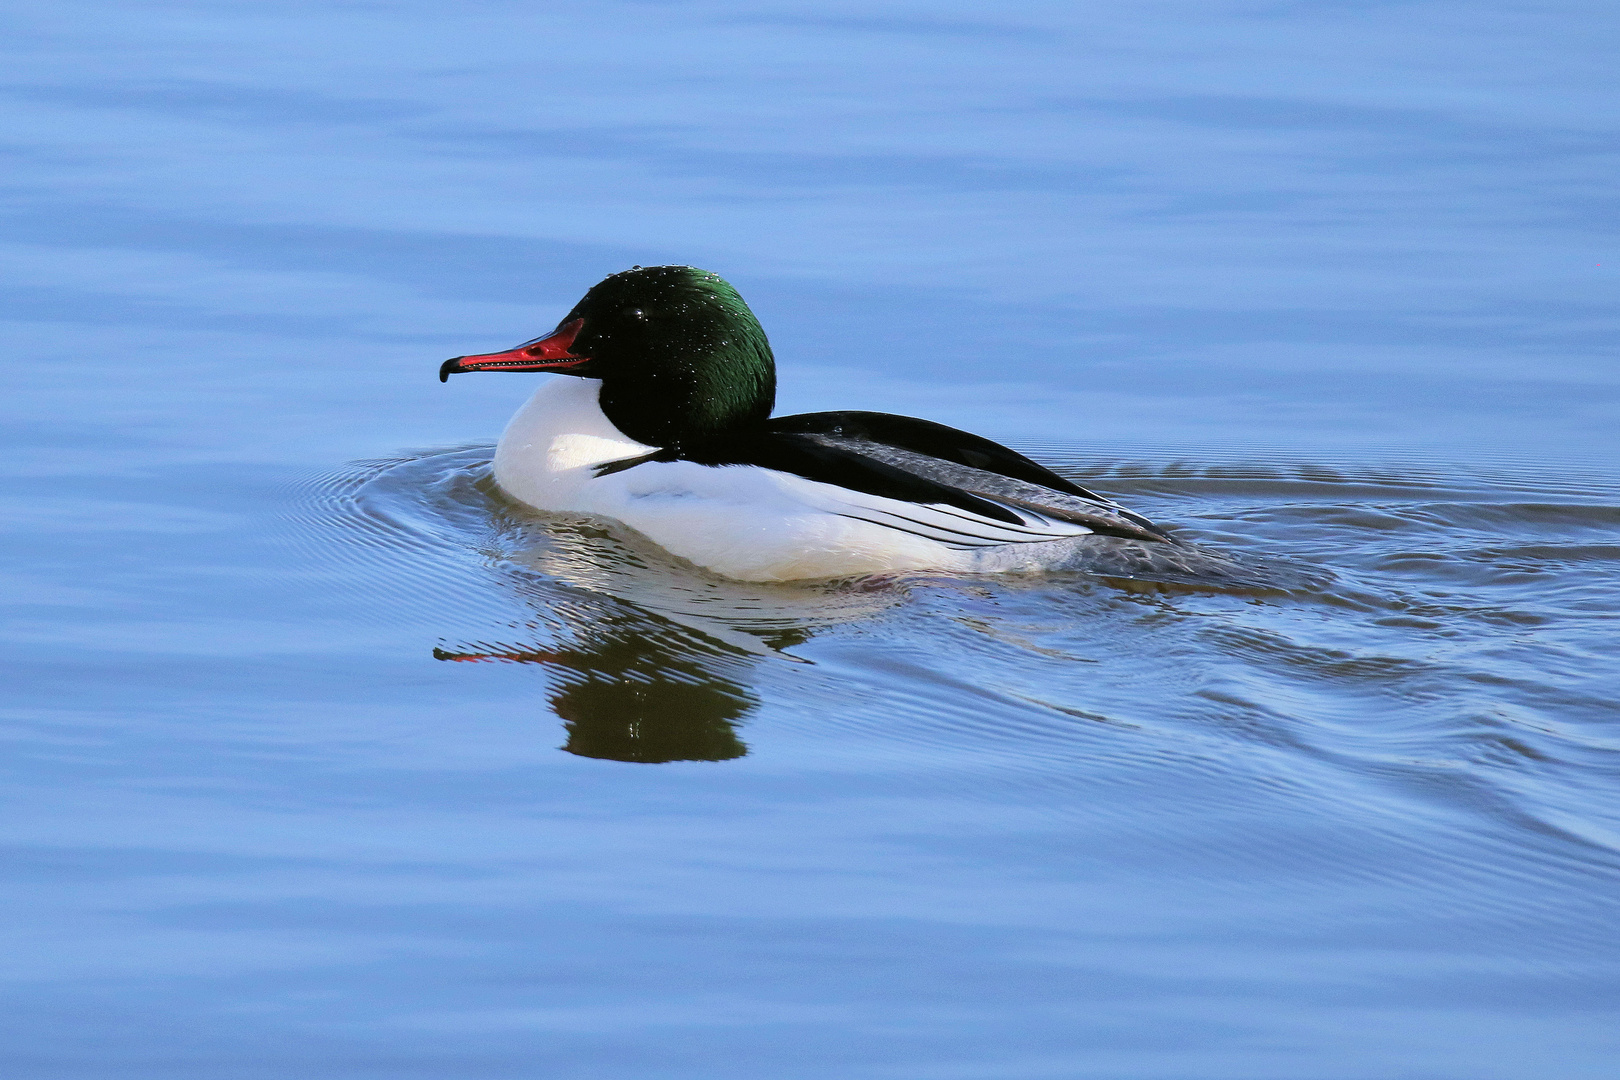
x=900, y=487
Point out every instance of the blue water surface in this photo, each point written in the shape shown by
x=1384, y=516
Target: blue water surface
x=325, y=761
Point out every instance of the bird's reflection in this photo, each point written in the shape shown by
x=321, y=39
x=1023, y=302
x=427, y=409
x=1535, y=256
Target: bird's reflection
x=640, y=714
x=640, y=691
x=652, y=660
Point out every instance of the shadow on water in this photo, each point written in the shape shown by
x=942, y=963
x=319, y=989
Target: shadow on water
x=626, y=695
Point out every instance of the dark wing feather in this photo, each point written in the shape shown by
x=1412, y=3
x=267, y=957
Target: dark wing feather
x=932, y=440
x=1100, y=515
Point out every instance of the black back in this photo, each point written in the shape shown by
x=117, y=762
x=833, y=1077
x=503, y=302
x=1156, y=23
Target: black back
x=934, y=440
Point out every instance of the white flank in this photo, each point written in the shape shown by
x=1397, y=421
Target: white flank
x=742, y=521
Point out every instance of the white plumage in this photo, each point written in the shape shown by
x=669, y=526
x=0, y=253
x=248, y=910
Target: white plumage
x=742, y=521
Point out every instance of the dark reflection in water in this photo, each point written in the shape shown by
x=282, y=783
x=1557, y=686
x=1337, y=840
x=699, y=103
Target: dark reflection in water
x=627, y=720
x=649, y=661
x=630, y=697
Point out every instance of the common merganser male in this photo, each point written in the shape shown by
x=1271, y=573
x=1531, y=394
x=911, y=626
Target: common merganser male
x=667, y=428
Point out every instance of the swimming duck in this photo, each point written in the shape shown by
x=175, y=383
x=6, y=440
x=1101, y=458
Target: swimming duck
x=666, y=427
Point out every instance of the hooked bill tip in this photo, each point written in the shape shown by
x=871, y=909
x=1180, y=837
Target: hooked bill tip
x=447, y=367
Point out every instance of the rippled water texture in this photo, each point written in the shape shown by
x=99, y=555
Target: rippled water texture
x=1459, y=622
x=324, y=760
x=1387, y=795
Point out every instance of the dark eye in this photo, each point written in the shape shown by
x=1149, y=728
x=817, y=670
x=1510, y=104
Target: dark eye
x=637, y=314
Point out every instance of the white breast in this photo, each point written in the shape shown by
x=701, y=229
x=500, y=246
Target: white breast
x=745, y=522
x=546, y=454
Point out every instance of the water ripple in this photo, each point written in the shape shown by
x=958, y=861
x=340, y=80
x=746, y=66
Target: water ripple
x=1456, y=653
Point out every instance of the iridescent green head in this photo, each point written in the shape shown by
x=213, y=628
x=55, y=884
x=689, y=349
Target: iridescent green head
x=679, y=354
